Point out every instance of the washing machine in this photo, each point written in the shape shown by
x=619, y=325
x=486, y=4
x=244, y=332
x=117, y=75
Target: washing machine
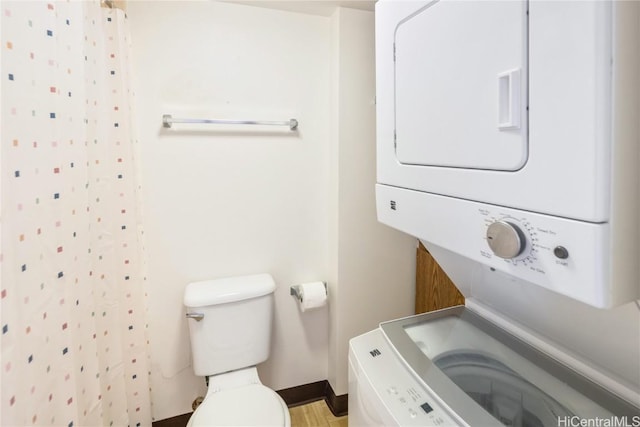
x=463, y=366
x=507, y=143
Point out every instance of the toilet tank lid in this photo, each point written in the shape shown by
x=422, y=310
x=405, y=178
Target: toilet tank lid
x=230, y=289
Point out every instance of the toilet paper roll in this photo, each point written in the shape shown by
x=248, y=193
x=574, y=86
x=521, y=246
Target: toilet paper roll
x=313, y=295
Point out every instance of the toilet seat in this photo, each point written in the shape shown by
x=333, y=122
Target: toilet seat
x=249, y=405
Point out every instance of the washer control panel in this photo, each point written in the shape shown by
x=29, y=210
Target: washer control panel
x=386, y=385
x=409, y=400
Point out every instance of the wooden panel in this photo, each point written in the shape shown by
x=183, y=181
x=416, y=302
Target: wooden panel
x=434, y=289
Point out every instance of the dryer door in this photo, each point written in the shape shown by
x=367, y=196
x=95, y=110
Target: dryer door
x=460, y=86
x=504, y=102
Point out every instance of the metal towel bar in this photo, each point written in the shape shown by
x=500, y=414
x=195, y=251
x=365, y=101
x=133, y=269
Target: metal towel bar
x=168, y=120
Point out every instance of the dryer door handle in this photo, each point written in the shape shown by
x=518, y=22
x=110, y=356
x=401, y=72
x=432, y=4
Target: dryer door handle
x=509, y=100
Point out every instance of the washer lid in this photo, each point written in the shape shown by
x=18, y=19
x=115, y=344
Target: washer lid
x=252, y=405
x=476, y=367
x=501, y=391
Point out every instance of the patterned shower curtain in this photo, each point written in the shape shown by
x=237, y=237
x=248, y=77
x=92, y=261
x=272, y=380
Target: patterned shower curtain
x=74, y=343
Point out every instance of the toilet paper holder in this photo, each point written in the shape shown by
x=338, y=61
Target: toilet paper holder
x=295, y=291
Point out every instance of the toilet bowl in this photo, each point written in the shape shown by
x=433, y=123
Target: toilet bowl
x=239, y=399
x=230, y=324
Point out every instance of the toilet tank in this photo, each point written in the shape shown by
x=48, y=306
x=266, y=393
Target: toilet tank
x=235, y=329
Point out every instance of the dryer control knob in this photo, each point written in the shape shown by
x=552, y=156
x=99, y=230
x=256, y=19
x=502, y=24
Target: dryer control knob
x=505, y=239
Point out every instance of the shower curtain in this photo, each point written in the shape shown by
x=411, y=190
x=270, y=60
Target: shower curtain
x=74, y=344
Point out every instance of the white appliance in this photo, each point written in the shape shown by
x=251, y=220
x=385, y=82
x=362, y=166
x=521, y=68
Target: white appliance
x=508, y=142
x=455, y=367
x=519, y=112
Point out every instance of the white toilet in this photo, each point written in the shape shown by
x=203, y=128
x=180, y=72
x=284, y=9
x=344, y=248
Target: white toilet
x=230, y=328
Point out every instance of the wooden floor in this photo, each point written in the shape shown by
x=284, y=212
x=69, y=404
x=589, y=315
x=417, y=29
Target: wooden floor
x=315, y=414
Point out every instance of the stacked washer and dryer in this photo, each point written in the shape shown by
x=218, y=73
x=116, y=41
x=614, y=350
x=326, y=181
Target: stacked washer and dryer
x=508, y=140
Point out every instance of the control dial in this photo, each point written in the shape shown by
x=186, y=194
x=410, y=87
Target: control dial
x=505, y=239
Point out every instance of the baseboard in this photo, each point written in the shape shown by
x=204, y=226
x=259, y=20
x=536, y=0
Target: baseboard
x=320, y=390
x=339, y=405
x=293, y=396
x=177, y=421
x=303, y=394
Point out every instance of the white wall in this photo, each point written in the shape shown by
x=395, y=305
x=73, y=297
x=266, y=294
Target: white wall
x=221, y=201
x=373, y=266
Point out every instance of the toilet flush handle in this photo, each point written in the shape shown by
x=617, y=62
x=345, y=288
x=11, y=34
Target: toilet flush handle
x=197, y=316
